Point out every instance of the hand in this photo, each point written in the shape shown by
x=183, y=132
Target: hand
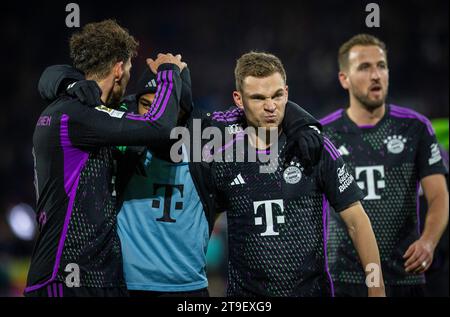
x=87, y=91
x=419, y=256
x=165, y=59
x=307, y=145
x=376, y=291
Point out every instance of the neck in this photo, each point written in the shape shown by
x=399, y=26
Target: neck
x=106, y=86
x=363, y=116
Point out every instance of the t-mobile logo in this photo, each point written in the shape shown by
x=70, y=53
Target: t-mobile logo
x=267, y=206
x=168, y=192
x=374, y=180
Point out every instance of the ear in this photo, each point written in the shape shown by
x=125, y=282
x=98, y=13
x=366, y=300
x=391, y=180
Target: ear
x=118, y=71
x=343, y=79
x=237, y=97
x=287, y=91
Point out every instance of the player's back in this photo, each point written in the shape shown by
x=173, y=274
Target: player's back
x=75, y=208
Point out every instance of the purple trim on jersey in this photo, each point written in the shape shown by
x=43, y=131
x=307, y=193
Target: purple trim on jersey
x=331, y=117
x=227, y=116
x=263, y=151
x=135, y=117
x=325, y=241
x=138, y=117
x=156, y=106
x=228, y=113
x=331, y=149
x=227, y=120
x=61, y=294
x=159, y=96
x=367, y=126
x=74, y=161
x=444, y=155
x=330, y=152
x=401, y=112
x=49, y=290
x=418, y=207
x=334, y=148
x=55, y=290
x=166, y=100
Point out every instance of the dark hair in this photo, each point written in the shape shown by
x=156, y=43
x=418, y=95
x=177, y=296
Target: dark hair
x=257, y=64
x=98, y=46
x=360, y=39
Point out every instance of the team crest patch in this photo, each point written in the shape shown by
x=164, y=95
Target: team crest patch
x=395, y=144
x=293, y=173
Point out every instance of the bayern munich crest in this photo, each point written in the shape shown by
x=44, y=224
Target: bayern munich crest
x=395, y=144
x=292, y=174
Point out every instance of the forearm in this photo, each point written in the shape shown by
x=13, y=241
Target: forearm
x=436, y=219
x=365, y=244
x=104, y=126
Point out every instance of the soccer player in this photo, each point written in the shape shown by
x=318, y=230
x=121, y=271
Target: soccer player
x=168, y=209
x=77, y=252
x=277, y=233
x=162, y=224
x=391, y=151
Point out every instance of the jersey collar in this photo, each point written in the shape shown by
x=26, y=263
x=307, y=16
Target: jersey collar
x=354, y=128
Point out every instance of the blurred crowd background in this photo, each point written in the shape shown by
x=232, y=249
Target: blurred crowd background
x=211, y=35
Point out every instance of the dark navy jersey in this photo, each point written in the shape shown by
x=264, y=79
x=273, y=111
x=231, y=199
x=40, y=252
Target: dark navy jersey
x=76, y=210
x=387, y=160
x=277, y=221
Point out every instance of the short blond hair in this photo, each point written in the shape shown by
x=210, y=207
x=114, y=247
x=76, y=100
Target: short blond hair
x=257, y=64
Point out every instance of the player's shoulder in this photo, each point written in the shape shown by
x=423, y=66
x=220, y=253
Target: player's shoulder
x=75, y=110
x=63, y=104
x=329, y=150
x=332, y=119
x=413, y=117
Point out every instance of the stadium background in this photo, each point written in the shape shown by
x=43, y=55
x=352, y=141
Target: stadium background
x=211, y=35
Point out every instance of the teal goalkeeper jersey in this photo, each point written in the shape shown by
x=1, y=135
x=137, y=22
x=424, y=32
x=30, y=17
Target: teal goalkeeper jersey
x=163, y=229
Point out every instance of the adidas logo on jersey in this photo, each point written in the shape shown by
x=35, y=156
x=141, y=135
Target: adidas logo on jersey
x=151, y=84
x=238, y=180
